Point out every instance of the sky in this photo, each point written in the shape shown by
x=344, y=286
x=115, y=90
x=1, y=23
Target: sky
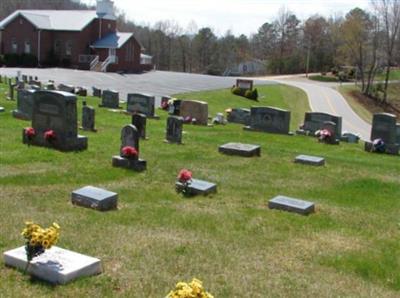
x=239, y=16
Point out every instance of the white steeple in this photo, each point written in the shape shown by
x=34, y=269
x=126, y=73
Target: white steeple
x=105, y=9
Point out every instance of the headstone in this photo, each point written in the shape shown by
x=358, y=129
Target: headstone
x=269, y=119
x=141, y=103
x=398, y=133
x=81, y=91
x=50, y=86
x=198, y=187
x=36, y=83
x=36, y=78
x=139, y=121
x=30, y=78
x=244, y=84
x=11, y=91
x=110, y=99
x=55, y=265
x=88, y=118
x=195, y=110
x=310, y=160
x=95, y=198
x=55, y=110
x=313, y=121
x=241, y=116
x=25, y=78
x=96, y=92
x=175, y=107
x=164, y=100
x=291, y=205
x=129, y=137
x=174, y=129
x=246, y=150
x=219, y=119
x=66, y=88
x=24, y=104
x=384, y=127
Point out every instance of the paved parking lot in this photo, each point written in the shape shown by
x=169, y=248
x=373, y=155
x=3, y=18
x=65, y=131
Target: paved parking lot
x=155, y=82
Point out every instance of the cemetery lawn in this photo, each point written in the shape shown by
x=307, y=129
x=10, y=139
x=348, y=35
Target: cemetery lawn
x=230, y=240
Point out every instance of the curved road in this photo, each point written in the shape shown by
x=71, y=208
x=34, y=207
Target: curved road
x=323, y=98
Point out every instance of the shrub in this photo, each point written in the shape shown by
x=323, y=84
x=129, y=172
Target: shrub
x=248, y=93
x=253, y=94
x=11, y=60
x=343, y=76
x=28, y=60
x=237, y=91
x=66, y=62
x=1, y=60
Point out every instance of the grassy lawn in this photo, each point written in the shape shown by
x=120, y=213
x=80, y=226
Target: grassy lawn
x=231, y=240
x=394, y=75
x=321, y=78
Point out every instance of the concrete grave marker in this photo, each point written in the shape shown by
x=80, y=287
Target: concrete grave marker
x=174, y=129
x=129, y=137
x=95, y=198
x=24, y=104
x=246, y=150
x=269, y=119
x=56, y=265
x=110, y=99
x=310, y=160
x=291, y=205
x=55, y=110
x=195, y=110
x=88, y=117
x=139, y=121
x=141, y=103
x=198, y=187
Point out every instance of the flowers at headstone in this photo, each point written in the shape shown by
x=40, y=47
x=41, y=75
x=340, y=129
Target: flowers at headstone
x=39, y=239
x=185, y=178
x=194, y=289
x=324, y=135
x=30, y=132
x=49, y=135
x=378, y=145
x=129, y=152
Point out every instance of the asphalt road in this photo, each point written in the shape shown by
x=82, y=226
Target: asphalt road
x=323, y=98
x=157, y=83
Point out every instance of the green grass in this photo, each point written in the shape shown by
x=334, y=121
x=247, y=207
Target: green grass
x=321, y=78
x=394, y=75
x=230, y=240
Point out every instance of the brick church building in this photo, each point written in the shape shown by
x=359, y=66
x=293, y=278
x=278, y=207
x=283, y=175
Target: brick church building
x=83, y=39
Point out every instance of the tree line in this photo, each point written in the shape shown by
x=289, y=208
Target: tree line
x=366, y=40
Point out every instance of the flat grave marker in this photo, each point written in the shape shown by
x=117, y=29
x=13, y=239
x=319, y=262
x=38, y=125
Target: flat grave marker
x=291, y=205
x=246, y=150
x=310, y=160
x=95, y=198
x=198, y=187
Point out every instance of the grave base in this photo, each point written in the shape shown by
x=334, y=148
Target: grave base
x=391, y=149
x=88, y=129
x=170, y=142
x=197, y=187
x=246, y=150
x=22, y=116
x=137, y=165
x=334, y=142
x=56, y=265
x=291, y=205
x=77, y=144
x=310, y=160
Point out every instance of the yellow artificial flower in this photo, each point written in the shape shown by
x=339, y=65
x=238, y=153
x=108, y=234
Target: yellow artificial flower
x=55, y=225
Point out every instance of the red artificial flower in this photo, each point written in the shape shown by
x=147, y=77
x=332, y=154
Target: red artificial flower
x=184, y=175
x=129, y=151
x=326, y=133
x=164, y=105
x=30, y=132
x=49, y=135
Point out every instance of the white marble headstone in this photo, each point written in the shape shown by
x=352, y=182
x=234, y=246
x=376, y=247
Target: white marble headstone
x=56, y=265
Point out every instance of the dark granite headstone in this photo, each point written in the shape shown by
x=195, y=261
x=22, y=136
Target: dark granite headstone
x=11, y=91
x=241, y=116
x=96, y=92
x=310, y=160
x=246, y=150
x=175, y=108
x=291, y=205
x=129, y=137
x=110, y=99
x=313, y=121
x=269, y=119
x=66, y=88
x=24, y=104
x=139, y=121
x=384, y=127
x=95, y=198
x=25, y=78
x=88, y=118
x=198, y=187
x=174, y=129
x=55, y=110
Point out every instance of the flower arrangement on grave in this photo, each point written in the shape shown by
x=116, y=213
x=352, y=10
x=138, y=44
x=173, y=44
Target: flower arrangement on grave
x=129, y=152
x=49, y=135
x=39, y=239
x=378, y=145
x=185, y=178
x=324, y=135
x=194, y=289
x=30, y=133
